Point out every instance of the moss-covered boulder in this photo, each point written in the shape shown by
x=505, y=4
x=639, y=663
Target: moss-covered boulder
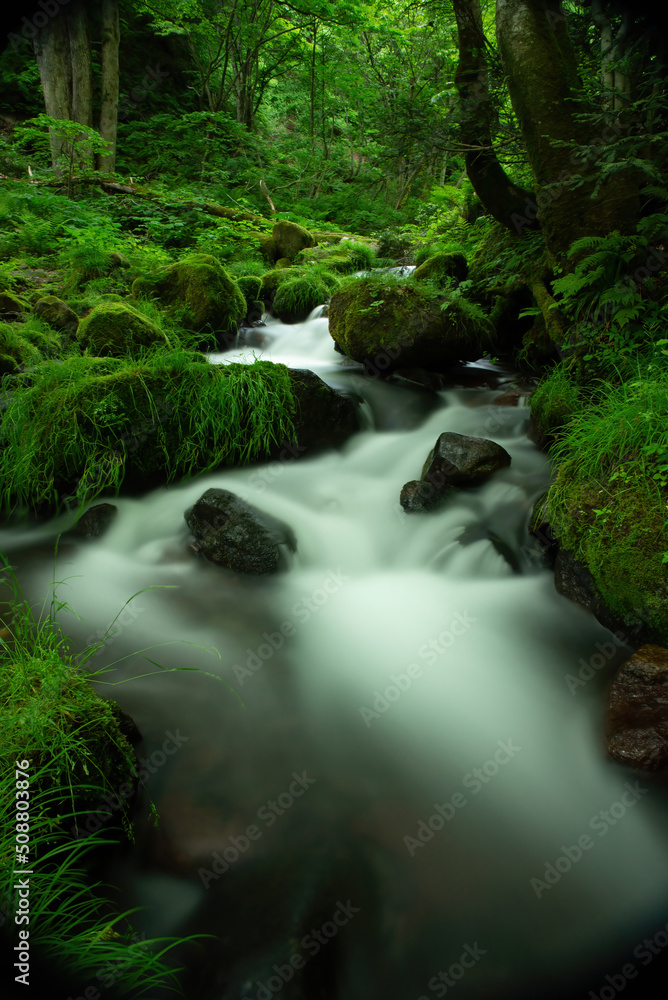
x=56, y=313
x=296, y=298
x=23, y=345
x=202, y=292
x=387, y=323
x=441, y=268
x=290, y=238
x=267, y=246
x=272, y=279
x=115, y=329
x=344, y=257
x=251, y=287
x=10, y=303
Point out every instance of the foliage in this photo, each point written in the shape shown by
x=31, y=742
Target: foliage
x=615, y=295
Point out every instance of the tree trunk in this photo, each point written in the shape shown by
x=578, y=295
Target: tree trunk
x=503, y=199
x=80, y=62
x=543, y=84
x=52, y=52
x=110, y=83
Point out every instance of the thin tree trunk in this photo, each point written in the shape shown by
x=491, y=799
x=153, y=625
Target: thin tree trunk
x=504, y=200
x=80, y=62
x=52, y=52
x=110, y=83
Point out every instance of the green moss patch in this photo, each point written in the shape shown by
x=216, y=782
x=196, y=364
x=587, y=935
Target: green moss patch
x=115, y=329
x=202, y=291
x=608, y=503
x=405, y=323
x=289, y=238
x=78, y=428
x=23, y=345
x=296, y=298
x=442, y=267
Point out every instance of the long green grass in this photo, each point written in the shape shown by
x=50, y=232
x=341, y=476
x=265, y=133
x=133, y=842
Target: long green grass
x=63, y=751
x=74, y=429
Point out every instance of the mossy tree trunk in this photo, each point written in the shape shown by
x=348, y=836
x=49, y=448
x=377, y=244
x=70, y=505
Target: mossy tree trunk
x=110, y=83
x=80, y=62
x=543, y=83
x=501, y=197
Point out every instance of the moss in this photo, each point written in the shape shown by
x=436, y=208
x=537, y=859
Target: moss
x=10, y=303
x=116, y=329
x=295, y=299
x=251, y=287
x=202, y=291
x=403, y=323
x=620, y=534
x=271, y=280
x=345, y=257
x=290, y=239
x=556, y=400
x=23, y=345
x=267, y=245
x=56, y=313
x=93, y=424
x=441, y=267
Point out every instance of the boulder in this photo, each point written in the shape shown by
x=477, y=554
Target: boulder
x=388, y=323
x=56, y=313
x=115, y=329
x=289, y=239
x=232, y=533
x=325, y=418
x=12, y=304
x=95, y=521
x=637, y=711
x=199, y=287
x=456, y=461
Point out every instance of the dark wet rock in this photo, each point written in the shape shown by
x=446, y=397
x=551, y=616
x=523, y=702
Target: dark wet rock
x=56, y=313
x=417, y=496
x=512, y=397
x=573, y=579
x=95, y=521
x=234, y=534
x=456, y=461
x=325, y=418
x=637, y=712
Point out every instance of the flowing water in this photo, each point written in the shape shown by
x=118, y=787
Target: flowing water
x=396, y=787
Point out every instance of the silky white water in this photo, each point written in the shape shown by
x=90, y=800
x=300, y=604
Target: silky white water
x=397, y=654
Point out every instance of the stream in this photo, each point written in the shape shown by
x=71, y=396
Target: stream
x=379, y=784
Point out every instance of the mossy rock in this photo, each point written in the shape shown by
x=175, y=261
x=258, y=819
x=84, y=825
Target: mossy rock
x=115, y=329
x=10, y=303
x=295, y=299
x=56, y=313
x=390, y=324
x=267, y=245
x=290, y=238
x=202, y=291
x=75, y=740
x=345, y=257
x=251, y=287
x=441, y=267
x=271, y=280
x=23, y=345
